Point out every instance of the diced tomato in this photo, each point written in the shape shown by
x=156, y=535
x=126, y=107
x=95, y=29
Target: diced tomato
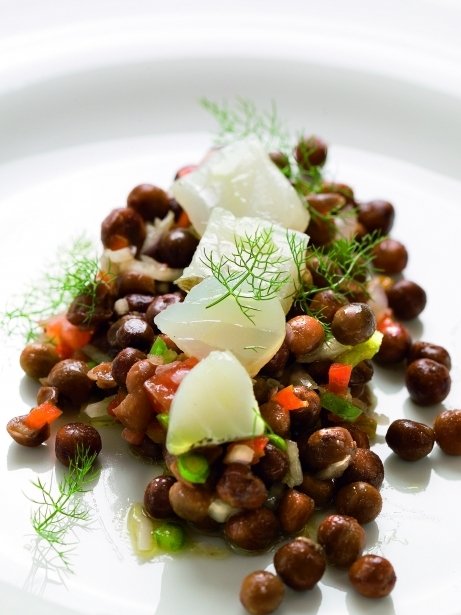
x=386, y=320
x=117, y=242
x=42, y=415
x=116, y=401
x=162, y=386
x=183, y=220
x=132, y=437
x=185, y=170
x=339, y=376
x=258, y=446
x=66, y=336
x=288, y=399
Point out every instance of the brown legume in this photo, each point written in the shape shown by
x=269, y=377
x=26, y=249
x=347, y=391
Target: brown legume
x=189, y=502
x=240, y=488
x=304, y=334
x=407, y=299
x=372, y=576
x=252, y=530
x=353, y=323
x=447, y=429
x=410, y=440
x=427, y=381
x=311, y=151
x=360, y=500
x=343, y=539
x=376, y=215
x=123, y=224
x=136, y=333
x=37, y=359
x=325, y=303
x=261, y=592
x=390, y=256
x=327, y=446
x=426, y=350
x=148, y=201
x=74, y=438
x=156, y=497
x=300, y=563
x=276, y=417
x=365, y=466
x=321, y=491
x=395, y=344
x=273, y=465
x=294, y=511
x=24, y=435
x=70, y=378
x=123, y=362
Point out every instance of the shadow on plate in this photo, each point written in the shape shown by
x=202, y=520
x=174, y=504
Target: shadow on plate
x=39, y=459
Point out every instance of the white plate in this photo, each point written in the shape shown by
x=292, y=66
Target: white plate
x=81, y=127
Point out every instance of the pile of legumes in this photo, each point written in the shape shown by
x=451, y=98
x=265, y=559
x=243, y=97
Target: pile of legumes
x=231, y=331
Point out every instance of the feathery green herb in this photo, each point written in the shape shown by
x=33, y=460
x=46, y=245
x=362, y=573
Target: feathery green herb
x=244, y=119
x=345, y=265
x=57, y=513
x=74, y=273
x=254, y=271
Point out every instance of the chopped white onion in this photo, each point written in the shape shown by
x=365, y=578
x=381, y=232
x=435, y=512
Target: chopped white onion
x=149, y=266
x=239, y=453
x=334, y=470
x=220, y=511
x=156, y=230
x=328, y=350
x=121, y=307
x=99, y=408
x=295, y=472
x=144, y=532
x=378, y=299
x=117, y=256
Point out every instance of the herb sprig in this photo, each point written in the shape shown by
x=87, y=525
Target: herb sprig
x=255, y=270
x=74, y=273
x=57, y=513
x=244, y=119
x=345, y=265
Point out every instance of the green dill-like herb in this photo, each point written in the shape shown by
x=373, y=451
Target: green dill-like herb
x=73, y=274
x=57, y=513
x=253, y=271
x=345, y=265
x=244, y=119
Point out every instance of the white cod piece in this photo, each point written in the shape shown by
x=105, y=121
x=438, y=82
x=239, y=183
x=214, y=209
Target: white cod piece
x=242, y=179
x=219, y=239
x=214, y=403
x=197, y=328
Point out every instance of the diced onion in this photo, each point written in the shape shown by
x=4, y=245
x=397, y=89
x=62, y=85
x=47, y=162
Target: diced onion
x=99, y=408
x=143, y=531
x=239, y=453
x=378, y=299
x=121, y=307
x=334, y=470
x=295, y=473
x=149, y=266
x=156, y=230
x=220, y=511
x=328, y=350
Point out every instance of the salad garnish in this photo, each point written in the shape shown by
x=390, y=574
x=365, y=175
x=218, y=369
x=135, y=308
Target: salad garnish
x=243, y=119
x=58, y=511
x=74, y=273
x=253, y=270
